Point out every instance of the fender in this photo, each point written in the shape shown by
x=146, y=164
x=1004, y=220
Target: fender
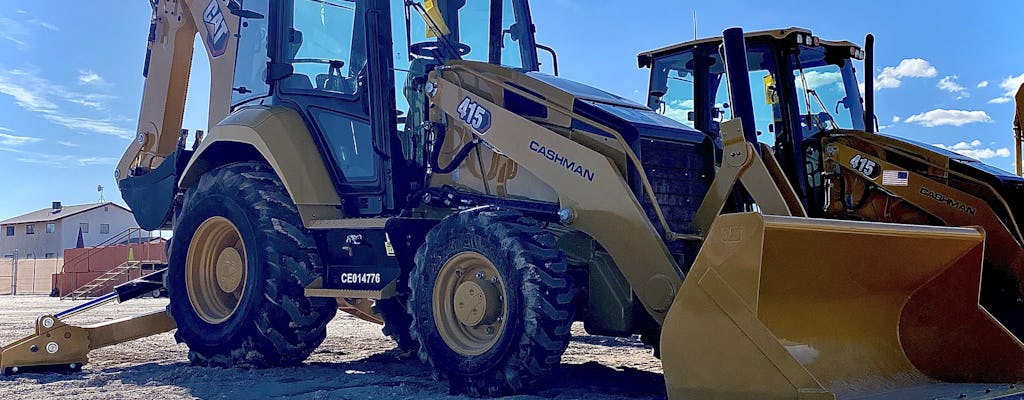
x=280, y=136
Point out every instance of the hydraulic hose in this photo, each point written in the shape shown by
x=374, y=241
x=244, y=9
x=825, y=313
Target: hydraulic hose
x=435, y=153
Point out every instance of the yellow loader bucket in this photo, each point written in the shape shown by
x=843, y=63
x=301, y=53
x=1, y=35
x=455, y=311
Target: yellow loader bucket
x=798, y=308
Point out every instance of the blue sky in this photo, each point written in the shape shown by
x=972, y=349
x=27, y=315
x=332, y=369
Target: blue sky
x=71, y=76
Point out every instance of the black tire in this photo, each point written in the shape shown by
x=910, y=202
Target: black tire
x=274, y=323
x=396, y=324
x=537, y=289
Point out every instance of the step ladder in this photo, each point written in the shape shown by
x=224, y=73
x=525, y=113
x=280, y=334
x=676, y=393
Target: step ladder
x=115, y=273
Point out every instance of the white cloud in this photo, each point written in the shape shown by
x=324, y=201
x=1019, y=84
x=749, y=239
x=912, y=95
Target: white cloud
x=96, y=101
x=907, y=68
x=895, y=119
x=1011, y=84
x=39, y=95
x=19, y=32
x=11, y=140
x=974, y=150
x=679, y=110
x=104, y=126
x=87, y=77
x=14, y=32
x=66, y=144
x=940, y=117
x=949, y=84
x=982, y=84
x=816, y=79
x=29, y=91
x=58, y=160
x=44, y=24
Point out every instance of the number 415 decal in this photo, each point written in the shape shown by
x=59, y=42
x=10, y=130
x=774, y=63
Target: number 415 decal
x=475, y=115
x=865, y=166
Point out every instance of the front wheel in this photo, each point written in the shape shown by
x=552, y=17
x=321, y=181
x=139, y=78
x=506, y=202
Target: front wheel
x=239, y=262
x=491, y=302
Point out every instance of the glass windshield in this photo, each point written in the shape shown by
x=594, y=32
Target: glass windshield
x=492, y=31
x=324, y=46
x=690, y=87
x=827, y=94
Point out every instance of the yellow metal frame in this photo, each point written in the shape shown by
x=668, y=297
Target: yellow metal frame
x=175, y=25
x=921, y=191
x=281, y=137
x=605, y=208
x=794, y=308
x=57, y=344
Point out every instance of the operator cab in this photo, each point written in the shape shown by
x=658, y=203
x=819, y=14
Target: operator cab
x=802, y=86
x=355, y=71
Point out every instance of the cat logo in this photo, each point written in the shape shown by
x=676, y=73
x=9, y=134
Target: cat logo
x=216, y=29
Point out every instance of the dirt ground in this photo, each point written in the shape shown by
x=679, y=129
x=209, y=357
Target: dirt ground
x=355, y=362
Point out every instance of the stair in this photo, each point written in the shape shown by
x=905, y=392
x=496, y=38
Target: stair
x=117, y=272
x=127, y=237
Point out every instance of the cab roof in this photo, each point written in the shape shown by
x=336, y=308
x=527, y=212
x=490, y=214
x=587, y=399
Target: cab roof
x=646, y=58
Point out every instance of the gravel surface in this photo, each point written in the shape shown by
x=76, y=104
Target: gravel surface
x=355, y=362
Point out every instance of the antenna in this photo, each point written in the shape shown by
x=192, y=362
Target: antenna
x=694, y=24
x=99, y=188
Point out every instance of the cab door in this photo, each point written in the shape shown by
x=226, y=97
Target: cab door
x=332, y=63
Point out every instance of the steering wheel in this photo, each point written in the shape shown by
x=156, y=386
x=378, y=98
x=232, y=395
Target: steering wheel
x=433, y=49
x=822, y=121
x=314, y=60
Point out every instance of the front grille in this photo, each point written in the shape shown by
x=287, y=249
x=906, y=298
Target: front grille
x=680, y=174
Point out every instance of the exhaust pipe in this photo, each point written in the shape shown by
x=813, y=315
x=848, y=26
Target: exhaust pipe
x=869, y=83
x=739, y=82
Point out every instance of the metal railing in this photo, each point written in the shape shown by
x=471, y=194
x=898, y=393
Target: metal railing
x=127, y=237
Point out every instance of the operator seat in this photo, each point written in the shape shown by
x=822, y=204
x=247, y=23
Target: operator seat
x=295, y=80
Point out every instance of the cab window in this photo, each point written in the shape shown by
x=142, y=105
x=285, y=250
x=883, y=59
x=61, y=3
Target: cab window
x=251, y=61
x=351, y=144
x=673, y=87
x=323, y=47
x=768, y=116
x=491, y=31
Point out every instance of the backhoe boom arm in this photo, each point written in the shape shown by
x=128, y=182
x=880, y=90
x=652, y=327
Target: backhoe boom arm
x=173, y=29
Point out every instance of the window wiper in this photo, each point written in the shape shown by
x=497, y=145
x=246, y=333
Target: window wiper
x=824, y=109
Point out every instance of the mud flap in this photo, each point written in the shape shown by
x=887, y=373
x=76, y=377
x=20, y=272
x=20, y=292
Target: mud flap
x=797, y=308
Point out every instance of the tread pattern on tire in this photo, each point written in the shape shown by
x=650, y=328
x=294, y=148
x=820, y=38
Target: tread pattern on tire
x=547, y=295
x=286, y=326
x=396, y=323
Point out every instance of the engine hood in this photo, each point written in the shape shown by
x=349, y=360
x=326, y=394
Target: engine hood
x=550, y=97
x=962, y=159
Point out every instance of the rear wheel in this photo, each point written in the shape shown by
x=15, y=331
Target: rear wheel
x=239, y=263
x=491, y=302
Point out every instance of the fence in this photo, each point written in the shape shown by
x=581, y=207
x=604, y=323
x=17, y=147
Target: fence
x=34, y=275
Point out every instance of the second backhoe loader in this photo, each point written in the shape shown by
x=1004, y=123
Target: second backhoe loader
x=485, y=206
x=809, y=113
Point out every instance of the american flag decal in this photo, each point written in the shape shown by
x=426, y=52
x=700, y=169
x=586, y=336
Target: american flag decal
x=895, y=178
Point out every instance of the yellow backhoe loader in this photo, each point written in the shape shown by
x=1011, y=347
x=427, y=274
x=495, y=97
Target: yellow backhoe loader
x=809, y=113
x=485, y=206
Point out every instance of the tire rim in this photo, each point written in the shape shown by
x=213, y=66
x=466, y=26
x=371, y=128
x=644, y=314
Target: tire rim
x=215, y=270
x=469, y=304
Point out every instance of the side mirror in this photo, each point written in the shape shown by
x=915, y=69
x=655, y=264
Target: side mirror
x=237, y=10
x=554, y=56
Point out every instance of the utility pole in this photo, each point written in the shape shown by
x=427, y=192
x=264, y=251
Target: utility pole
x=14, y=274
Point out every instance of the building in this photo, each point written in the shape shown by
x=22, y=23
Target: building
x=46, y=233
